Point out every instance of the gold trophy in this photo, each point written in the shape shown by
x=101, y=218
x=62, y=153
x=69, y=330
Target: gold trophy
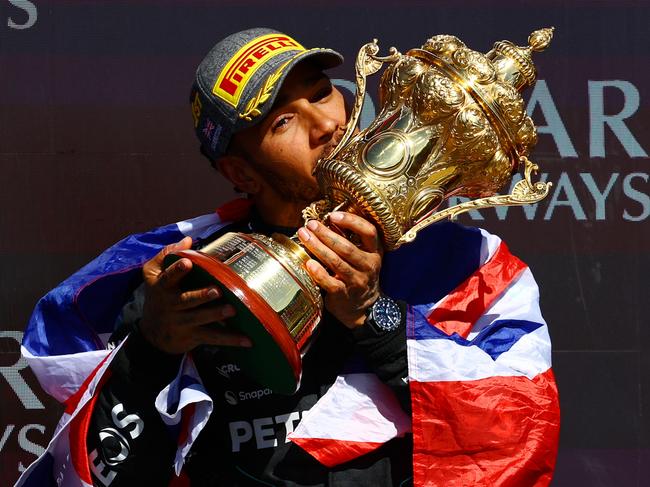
x=452, y=123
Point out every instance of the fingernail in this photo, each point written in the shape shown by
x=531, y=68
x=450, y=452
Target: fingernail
x=312, y=224
x=213, y=293
x=182, y=265
x=336, y=216
x=245, y=342
x=304, y=234
x=311, y=265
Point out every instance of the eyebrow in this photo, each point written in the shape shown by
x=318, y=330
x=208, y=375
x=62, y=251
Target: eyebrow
x=312, y=80
x=306, y=83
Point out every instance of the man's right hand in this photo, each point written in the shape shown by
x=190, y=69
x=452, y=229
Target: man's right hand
x=176, y=321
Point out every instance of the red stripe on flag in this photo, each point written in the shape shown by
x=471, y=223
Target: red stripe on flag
x=234, y=210
x=499, y=431
x=331, y=452
x=78, y=432
x=181, y=481
x=468, y=302
x=72, y=401
x=186, y=416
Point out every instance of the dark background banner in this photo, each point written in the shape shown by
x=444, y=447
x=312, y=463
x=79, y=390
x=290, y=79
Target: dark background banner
x=96, y=142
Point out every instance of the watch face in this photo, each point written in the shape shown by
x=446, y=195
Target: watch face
x=386, y=314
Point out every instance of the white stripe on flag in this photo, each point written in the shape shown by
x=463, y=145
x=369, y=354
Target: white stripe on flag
x=531, y=355
x=200, y=226
x=62, y=375
x=359, y=408
x=520, y=301
x=194, y=394
x=59, y=447
x=433, y=360
x=489, y=246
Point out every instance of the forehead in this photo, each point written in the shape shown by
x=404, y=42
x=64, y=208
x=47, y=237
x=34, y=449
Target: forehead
x=300, y=79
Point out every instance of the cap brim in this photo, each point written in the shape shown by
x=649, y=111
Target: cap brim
x=324, y=59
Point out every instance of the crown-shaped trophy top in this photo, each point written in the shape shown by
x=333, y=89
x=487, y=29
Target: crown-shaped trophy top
x=514, y=64
x=495, y=79
x=452, y=121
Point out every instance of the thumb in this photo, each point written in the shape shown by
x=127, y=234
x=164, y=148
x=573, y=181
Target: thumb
x=153, y=267
x=183, y=244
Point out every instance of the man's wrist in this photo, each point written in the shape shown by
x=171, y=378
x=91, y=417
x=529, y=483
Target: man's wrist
x=384, y=316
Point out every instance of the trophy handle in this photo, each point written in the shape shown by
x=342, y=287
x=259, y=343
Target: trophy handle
x=525, y=192
x=367, y=63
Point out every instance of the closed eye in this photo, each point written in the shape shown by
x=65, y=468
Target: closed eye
x=280, y=122
x=322, y=93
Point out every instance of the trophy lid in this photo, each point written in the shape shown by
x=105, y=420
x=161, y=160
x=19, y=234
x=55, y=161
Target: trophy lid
x=514, y=64
x=453, y=122
x=495, y=80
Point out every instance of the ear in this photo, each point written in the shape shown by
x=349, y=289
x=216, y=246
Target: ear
x=239, y=172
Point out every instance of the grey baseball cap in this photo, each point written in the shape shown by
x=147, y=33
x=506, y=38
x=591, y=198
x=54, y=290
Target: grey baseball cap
x=238, y=80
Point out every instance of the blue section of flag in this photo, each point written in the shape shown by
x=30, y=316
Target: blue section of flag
x=41, y=476
x=501, y=335
x=185, y=382
x=497, y=338
x=437, y=262
x=69, y=318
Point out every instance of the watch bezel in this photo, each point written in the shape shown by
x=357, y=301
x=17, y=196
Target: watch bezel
x=381, y=322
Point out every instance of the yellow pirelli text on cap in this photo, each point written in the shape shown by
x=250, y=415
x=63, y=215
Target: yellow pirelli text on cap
x=242, y=66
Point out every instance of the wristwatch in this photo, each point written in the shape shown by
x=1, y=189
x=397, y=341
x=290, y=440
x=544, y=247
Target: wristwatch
x=384, y=315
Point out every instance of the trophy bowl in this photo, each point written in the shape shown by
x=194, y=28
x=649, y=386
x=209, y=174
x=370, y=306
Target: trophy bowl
x=277, y=304
x=452, y=122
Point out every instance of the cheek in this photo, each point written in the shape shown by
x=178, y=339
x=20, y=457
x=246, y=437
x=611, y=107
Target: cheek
x=288, y=153
x=337, y=107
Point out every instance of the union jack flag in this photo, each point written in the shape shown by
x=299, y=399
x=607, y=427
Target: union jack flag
x=484, y=401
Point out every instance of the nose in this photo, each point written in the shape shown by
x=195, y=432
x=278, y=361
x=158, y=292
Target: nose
x=322, y=125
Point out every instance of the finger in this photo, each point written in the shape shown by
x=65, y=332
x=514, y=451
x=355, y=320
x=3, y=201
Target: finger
x=366, y=231
x=326, y=255
x=208, y=335
x=170, y=277
x=206, y=314
x=345, y=249
x=154, y=266
x=192, y=299
x=328, y=283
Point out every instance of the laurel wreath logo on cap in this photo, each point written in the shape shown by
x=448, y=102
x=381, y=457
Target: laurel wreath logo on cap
x=252, y=107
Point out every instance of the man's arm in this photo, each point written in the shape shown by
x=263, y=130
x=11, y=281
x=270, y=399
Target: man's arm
x=351, y=287
x=479, y=377
x=127, y=441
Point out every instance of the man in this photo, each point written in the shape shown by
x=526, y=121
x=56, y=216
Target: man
x=153, y=412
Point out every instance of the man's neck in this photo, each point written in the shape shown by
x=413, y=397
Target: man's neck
x=279, y=212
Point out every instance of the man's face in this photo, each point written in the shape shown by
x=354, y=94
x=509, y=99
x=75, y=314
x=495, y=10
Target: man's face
x=305, y=123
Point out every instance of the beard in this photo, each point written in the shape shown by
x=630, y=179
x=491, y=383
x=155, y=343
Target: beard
x=297, y=188
x=294, y=189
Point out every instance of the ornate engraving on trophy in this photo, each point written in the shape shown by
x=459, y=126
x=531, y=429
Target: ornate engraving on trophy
x=451, y=122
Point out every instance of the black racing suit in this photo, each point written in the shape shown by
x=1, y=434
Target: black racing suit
x=244, y=442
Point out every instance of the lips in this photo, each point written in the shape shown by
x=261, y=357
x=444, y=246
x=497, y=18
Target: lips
x=333, y=143
x=324, y=155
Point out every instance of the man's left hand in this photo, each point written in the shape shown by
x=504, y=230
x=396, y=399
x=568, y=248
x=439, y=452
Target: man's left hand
x=353, y=284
